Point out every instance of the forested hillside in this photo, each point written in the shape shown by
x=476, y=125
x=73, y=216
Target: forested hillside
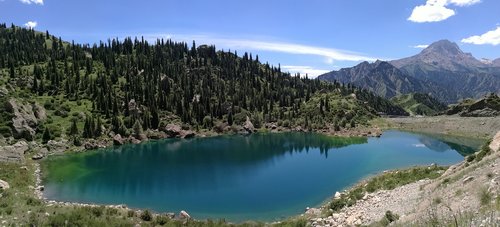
x=133, y=85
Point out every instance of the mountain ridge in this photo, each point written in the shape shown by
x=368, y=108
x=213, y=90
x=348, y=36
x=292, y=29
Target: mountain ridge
x=442, y=70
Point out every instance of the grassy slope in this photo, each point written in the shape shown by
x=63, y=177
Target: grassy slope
x=419, y=104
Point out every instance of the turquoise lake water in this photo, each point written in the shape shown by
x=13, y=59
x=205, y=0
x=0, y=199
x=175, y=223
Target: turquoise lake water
x=262, y=177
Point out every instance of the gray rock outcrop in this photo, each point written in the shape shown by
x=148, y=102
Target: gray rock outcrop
x=172, y=130
x=14, y=153
x=495, y=143
x=248, y=126
x=118, y=140
x=26, y=118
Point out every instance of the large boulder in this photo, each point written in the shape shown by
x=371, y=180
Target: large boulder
x=26, y=118
x=13, y=153
x=57, y=146
x=495, y=143
x=172, y=130
x=184, y=215
x=187, y=134
x=248, y=126
x=92, y=144
x=4, y=185
x=118, y=140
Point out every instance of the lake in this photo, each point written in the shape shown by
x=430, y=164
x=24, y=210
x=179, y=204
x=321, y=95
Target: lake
x=262, y=177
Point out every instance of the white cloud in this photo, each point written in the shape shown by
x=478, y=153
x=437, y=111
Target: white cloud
x=432, y=11
x=29, y=2
x=490, y=37
x=422, y=46
x=464, y=2
x=303, y=70
x=31, y=24
x=291, y=48
x=437, y=10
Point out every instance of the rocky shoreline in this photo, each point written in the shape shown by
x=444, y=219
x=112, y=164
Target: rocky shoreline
x=454, y=196
x=172, y=131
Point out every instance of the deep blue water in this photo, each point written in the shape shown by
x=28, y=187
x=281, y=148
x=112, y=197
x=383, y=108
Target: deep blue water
x=259, y=177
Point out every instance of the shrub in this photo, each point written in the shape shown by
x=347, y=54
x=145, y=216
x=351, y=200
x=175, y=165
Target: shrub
x=471, y=158
x=390, y=216
x=485, y=151
x=484, y=196
x=437, y=200
x=286, y=123
x=146, y=215
x=97, y=211
x=61, y=113
x=49, y=105
x=111, y=211
x=240, y=117
x=33, y=202
x=5, y=131
x=131, y=213
x=338, y=204
x=162, y=219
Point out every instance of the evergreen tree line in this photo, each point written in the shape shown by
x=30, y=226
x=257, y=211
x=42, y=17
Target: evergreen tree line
x=133, y=80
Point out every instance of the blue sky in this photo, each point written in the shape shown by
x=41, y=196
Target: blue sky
x=312, y=36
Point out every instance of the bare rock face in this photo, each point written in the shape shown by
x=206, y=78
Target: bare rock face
x=248, y=126
x=13, y=153
x=26, y=118
x=57, y=146
x=172, y=130
x=118, y=140
x=495, y=143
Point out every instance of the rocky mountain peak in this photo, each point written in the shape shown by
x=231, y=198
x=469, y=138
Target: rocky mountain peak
x=443, y=47
x=442, y=54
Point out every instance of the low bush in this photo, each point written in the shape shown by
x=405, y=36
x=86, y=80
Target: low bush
x=146, y=215
x=484, y=197
x=162, y=219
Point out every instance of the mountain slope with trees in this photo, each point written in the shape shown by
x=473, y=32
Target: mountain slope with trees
x=419, y=104
x=132, y=86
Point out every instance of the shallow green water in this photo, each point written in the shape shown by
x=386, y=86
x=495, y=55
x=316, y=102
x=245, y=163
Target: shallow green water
x=259, y=177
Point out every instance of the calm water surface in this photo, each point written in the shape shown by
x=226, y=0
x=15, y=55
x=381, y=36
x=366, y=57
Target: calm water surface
x=259, y=177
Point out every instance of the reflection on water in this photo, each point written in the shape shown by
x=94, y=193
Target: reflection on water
x=262, y=176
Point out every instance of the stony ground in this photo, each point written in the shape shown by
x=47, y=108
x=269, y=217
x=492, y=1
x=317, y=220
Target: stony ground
x=480, y=127
x=467, y=194
x=373, y=206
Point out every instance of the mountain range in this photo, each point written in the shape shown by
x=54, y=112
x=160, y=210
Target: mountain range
x=441, y=70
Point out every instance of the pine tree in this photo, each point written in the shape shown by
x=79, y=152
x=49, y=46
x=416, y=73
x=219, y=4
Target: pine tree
x=137, y=127
x=46, y=135
x=73, y=130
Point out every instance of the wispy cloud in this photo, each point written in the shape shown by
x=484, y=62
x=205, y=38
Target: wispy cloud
x=31, y=24
x=437, y=10
x=490, y=37
x=304, y=70
x=422, y=46
x=283, y=47
x=29, y=2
